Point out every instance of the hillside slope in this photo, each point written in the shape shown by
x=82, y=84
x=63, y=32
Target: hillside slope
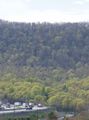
x=44, y=45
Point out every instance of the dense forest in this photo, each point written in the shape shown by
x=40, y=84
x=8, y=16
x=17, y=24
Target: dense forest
x=72, y=95
x=45, y=47
x=44, y=62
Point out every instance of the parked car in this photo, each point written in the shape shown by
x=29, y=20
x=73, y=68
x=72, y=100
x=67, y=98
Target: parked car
x=40, y=105
x=27, y=105
x=17, y=103
x=31, y=104
x=29, y=108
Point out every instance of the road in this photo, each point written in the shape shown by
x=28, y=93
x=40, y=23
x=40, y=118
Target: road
x=35, y=108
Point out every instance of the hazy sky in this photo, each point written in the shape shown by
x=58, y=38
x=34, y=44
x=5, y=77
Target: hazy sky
x=44, y=10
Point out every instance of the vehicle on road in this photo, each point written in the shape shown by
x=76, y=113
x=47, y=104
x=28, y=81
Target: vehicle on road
x=39, y=105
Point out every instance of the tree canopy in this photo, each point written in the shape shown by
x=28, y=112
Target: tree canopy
x=47, y=63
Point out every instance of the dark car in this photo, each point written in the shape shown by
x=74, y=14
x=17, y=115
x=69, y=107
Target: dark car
x=29, y=107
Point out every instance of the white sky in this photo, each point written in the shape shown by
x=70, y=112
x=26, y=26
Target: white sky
x=45, y=10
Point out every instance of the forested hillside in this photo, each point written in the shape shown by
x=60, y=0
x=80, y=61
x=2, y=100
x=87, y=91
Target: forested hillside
x=44, y=49
x=47, y=63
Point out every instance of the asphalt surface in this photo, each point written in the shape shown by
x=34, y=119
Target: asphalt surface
x=35, y=108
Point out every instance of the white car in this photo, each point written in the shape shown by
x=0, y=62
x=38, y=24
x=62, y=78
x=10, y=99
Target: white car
x=40, y=105
x=17, y=103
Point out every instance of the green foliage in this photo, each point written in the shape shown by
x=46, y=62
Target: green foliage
x=44, y=50
x=52, y=116
x=73, y=94
x=47, y=63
